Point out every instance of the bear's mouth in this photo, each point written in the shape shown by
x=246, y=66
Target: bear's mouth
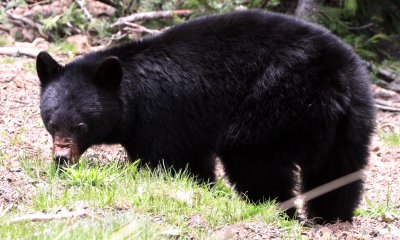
x=65, y=151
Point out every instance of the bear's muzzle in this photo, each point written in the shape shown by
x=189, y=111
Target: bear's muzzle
x=65, y=151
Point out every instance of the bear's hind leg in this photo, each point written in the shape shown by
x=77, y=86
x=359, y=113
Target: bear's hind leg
x=344, y=158
x=258, y=175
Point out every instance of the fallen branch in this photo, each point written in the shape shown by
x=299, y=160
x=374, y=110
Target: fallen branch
x=382, y=93
x=385, y=73
x=18, y=51
x=384, y=105
x=35, y=217
x=28, y=22
x=150, y=16
x=139, y=28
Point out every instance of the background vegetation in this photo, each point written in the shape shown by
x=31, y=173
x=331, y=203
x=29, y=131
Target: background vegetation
x=371, y=27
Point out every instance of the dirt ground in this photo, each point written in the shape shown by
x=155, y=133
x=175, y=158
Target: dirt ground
x=22, y=135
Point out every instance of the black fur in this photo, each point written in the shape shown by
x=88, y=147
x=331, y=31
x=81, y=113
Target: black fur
x=262, y=91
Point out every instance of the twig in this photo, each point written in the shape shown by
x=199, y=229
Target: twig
x=39, y=3
x=387, y=108
x=108, y=2
x=48, y=217
x=81, y=4
x=17, y=51
x=368, y=25
x=139, y=28
x=5, y=210
x=151, y=15
x=73, y=29
x=382, y=93
x=318, y=191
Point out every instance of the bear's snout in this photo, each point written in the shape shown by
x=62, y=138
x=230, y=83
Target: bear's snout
x=65, y=152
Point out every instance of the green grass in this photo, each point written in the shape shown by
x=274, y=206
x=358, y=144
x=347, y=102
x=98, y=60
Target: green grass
x=119, y=195
x=7, y=60
x=386, y=210
x=2, y=157
x=63, y=47
x=30, y=66
x=392, y=138
x=87, y=228
x=3, y=41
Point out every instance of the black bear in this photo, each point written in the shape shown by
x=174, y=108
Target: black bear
x=264, y=92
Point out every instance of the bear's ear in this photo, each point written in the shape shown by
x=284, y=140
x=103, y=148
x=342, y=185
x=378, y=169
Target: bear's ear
x=109, y=73
x=46, y=68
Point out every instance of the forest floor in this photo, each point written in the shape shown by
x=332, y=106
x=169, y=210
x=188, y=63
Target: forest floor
x=22, y=135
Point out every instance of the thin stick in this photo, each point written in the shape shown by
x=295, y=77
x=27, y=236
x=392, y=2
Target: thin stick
x=318, y=191
x=139, y=28
x=81, y=4
x=47, y=217
x=151, y=15
x=387, y=108
x=2, y=213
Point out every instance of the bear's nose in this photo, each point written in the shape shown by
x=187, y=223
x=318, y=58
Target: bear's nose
x=62, y=157
x=61, y=160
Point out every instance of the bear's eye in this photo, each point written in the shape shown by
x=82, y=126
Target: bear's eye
x=51, y=126
x=82, y=127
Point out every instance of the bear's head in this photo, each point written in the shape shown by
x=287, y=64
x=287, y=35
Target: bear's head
x=79, y=103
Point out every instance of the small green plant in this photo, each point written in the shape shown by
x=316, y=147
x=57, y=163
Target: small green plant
x=99, y=175
x=63, y=47
x=17, y=137
x=386, y=209
x=3, y=41
x=2, y=158
x=60, y=25
x=7, y=60
x=391, y=138
x=15, y=3
x=101, y=28
x=30, y=67
x=394, y=65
